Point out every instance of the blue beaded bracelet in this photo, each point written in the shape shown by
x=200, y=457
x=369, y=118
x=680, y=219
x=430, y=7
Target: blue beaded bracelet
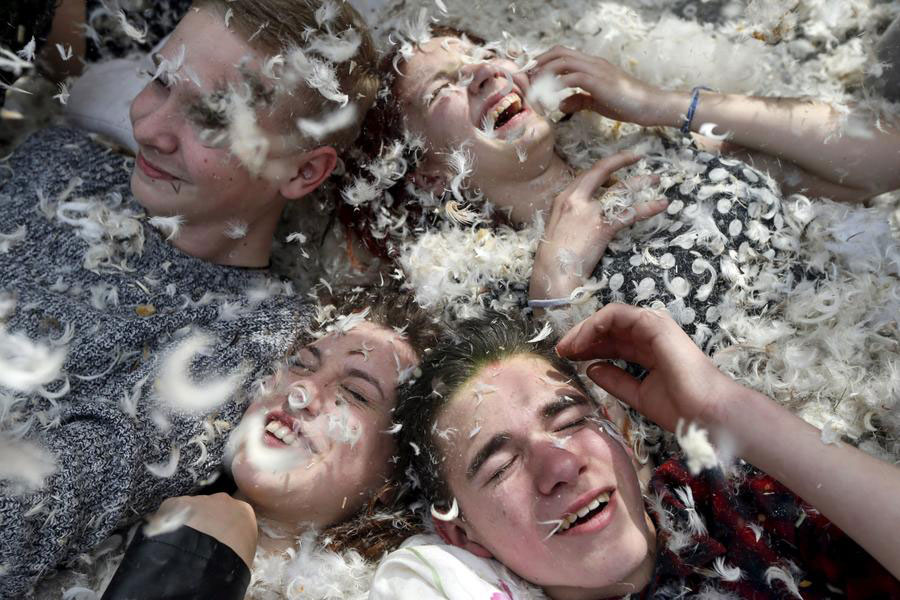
x=695, y=100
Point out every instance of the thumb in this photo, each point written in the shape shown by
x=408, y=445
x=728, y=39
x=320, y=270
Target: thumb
x=575, y=103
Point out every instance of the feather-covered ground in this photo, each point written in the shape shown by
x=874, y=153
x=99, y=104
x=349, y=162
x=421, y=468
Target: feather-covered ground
x=828, y=352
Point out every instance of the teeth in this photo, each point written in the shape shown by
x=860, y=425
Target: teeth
x=284, y=433
x=510, y=100
x=594, y=504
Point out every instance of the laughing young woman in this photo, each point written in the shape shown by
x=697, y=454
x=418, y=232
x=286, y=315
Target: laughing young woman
x=471, y=114
x=524, y=475
x=313, y=452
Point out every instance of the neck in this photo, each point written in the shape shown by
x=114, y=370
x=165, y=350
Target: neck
x=207, y=241
x=275, y=535
x=533, y=193
x=634, y=583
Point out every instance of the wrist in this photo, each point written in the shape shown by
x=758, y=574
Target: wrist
x=557, y=285
x=743, y=418
x=666, y=109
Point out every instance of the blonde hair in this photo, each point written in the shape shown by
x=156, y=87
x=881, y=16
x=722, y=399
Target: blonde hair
x=276, y=25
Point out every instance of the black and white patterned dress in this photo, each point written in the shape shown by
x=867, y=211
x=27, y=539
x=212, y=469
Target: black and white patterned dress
x=716, y=248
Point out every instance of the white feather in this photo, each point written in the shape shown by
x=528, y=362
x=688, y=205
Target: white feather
x=169, y=226
x=335, y=121
x=450, y=515
x=166, y=469
x=779, y=574
x=544, y=333
x=8, y=240
x=698, y=452
x=26, y=465
x=177, y=389
x=166, y=521
x=138, y=35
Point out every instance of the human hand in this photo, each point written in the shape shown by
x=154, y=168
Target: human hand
x=610, y=91
x=580, y=226
x=222, y=517
x=682, y=382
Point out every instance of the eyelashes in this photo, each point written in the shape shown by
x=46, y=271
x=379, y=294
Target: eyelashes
x=359, y=398
x=434, y=95
x=498, y=474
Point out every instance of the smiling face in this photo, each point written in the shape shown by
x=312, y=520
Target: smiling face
x=175, y=172
x=448, y=99
x=535, y=461
x=313, y=449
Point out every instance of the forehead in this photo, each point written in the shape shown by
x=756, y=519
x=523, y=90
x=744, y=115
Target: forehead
x=515, y=387
x=442, y=54
x=207, y=52
x=378, y=347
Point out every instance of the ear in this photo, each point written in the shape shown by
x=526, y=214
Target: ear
x=454, y=533
x=308, y=172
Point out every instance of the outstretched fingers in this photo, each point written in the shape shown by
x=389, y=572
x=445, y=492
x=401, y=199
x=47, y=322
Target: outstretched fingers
x=599, y=173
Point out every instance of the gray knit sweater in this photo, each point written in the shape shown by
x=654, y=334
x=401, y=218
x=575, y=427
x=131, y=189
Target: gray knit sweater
x=114, y=322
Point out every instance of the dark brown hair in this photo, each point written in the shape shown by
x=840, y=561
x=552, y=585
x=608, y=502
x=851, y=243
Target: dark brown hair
x=382, y=127
x=383, y=523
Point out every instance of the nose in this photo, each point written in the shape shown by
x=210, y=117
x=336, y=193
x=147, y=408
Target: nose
x=305, y=398
x=155, y=120
x=482, y=74
x=555, y=467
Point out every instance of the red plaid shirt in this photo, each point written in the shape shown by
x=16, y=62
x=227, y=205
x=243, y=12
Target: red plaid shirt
x=754, y=523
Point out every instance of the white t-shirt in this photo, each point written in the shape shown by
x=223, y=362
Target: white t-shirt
x=425, y=568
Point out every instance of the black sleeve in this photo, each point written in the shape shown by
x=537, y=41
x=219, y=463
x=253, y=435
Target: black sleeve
x=181, y=565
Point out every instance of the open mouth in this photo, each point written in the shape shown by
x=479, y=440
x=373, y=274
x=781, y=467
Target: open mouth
x=281, y=431
x=504, y=111
x=586, y=514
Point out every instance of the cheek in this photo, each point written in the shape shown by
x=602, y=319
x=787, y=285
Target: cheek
x=211, y=165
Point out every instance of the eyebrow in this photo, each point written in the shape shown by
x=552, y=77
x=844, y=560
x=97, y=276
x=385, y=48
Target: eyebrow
x=446, y=73
x=317, y=354
x=552, y=409
x=494, y=445
x=366, y=377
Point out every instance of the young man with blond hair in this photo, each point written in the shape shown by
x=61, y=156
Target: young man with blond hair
x=106, y=265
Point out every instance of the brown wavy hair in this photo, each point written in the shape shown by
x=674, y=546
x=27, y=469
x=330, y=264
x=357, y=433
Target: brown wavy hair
x=383, y=126
x=385, y=521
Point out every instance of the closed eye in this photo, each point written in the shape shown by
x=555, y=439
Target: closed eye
x=357, y=397
x=497, y=475
x=437, y=92
x=579, y=422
